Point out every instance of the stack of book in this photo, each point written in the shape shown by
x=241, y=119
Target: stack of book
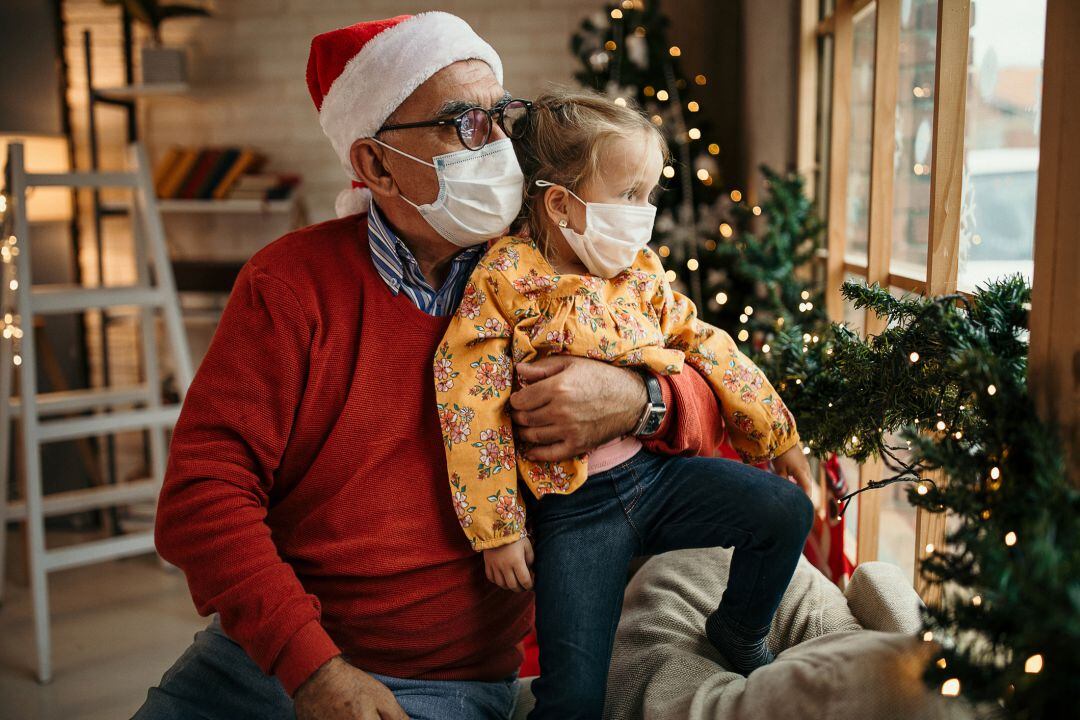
x=218, y=174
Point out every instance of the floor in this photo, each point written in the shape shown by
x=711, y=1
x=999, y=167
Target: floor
x=116, y=627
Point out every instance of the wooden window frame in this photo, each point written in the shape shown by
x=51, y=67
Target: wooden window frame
x=1055, y=326
x=1054, y=359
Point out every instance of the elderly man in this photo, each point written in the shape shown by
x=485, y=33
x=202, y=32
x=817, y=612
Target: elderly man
x=306, y=498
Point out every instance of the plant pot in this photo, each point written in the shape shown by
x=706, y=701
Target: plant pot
x=163, y=65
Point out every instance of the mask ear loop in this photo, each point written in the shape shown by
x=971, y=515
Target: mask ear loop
x=546, y=183
x=401, y=152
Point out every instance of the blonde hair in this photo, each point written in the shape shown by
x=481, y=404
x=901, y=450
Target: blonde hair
x=565, y=138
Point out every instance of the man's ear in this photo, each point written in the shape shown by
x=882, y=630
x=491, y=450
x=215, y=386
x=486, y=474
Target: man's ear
x=368, y=165
x=557, y=205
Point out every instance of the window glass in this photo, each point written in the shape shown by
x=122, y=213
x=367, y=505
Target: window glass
x=914, y=137
x=859, y=143
x=856, y=320
x=1001, y=143
x=826, y=8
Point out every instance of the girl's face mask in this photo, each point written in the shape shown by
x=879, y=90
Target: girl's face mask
x=614, y=234
x=479, y=192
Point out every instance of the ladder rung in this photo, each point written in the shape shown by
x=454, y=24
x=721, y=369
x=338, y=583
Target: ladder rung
x=70, y=501
x=68, y=401
x=98, y=550
x=71, y=298
x=106, y=423
x=83, y=179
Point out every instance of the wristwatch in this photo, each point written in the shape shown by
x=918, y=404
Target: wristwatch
x=655, y=409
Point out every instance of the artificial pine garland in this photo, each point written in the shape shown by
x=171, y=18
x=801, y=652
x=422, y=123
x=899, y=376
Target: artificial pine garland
x=949, y=375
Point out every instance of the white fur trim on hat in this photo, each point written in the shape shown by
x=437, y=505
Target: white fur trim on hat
x=389, y=68
x=352, y=200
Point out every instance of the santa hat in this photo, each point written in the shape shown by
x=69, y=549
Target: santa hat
x=359, y=75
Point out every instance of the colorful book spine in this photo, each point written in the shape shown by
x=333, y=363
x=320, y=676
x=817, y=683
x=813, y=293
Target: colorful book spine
x=171, y=182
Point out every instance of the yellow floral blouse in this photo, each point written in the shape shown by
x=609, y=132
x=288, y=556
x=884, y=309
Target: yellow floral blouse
x=516, y=308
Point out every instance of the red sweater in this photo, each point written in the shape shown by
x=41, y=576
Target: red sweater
x=306, y=495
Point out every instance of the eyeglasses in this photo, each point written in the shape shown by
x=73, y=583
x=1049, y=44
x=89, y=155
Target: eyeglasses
x=474, y=124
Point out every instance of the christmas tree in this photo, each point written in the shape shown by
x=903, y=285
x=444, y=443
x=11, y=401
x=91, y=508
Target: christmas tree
x=949, y=375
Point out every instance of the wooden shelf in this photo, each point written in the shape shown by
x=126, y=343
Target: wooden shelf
x=130, y=92
x=236, y=206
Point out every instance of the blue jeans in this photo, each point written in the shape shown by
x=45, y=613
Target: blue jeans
x=216, y=680
x=651, y=504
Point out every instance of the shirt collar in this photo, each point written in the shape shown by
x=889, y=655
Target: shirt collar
x=395, y=262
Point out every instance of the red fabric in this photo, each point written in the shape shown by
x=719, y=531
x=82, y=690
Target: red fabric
x=306, y=495
x=332, y=50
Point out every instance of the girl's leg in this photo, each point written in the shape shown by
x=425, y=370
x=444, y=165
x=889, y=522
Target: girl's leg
x=711, y=502
x=583, y=544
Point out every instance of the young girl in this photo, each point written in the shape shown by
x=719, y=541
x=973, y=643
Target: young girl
x=584, y=283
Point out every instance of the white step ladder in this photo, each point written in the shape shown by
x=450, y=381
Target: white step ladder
x=46, y=417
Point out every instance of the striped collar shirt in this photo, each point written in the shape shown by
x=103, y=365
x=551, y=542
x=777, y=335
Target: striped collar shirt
x=401, y=273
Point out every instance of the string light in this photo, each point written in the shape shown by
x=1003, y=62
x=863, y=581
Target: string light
x=700, y=79
x=806, y=451
x=991, y=390
x=748, y=310
x=1033, y=664
x=693, y=134
x=756, y=210
x=661, y=95
x=692, y=264
x=922, y=489
x=942, y=664
x=692, y=106
x=621, y=102
x=928, y=636
x=721, y=298
x=616, y=14
x=657, y=120
x=649, y=91
x=743, y=335
x=714, y=149
x=674, y=51
x=950, y=688
x=765, y=348
x=743, y=318
x=929, y=548
x=736, y=196
x=610, y=45
x=725, y=230
x=664, y=250
x=669, y=172
x=702, y=174
x=710, y=244
x=1010, y=538
x=914, y=357
x=804, y=295
x=976, y=600
x=940, y=425
x=670, y=276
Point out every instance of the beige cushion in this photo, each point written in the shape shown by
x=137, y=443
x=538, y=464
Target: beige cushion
x=664, y=669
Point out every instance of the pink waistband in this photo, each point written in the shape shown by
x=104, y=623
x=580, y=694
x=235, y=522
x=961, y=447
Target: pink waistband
x=613, y=453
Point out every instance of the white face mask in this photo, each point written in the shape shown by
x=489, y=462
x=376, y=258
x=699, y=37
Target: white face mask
x=479, y=192
x=614, y=234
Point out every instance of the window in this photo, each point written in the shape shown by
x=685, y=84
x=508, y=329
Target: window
x=894, y=214
x=1001, y=141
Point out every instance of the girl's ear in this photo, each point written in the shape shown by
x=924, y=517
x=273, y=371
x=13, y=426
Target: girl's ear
x=557, y=205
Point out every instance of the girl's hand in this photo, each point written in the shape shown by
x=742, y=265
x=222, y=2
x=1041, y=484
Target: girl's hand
x=510, y=566
x=793, y=464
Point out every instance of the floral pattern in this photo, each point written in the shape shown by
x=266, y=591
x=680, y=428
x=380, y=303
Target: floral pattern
x=516, y=309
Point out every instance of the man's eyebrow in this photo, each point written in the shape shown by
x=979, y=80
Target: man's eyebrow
x=456, y=107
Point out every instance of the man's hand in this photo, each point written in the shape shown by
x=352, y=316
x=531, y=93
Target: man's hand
x=793, y=464
x=338, y=691
x=510, y=566
x=571, y=405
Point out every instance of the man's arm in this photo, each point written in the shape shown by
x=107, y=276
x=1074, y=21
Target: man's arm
x=226, y=447
x=572, y=405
